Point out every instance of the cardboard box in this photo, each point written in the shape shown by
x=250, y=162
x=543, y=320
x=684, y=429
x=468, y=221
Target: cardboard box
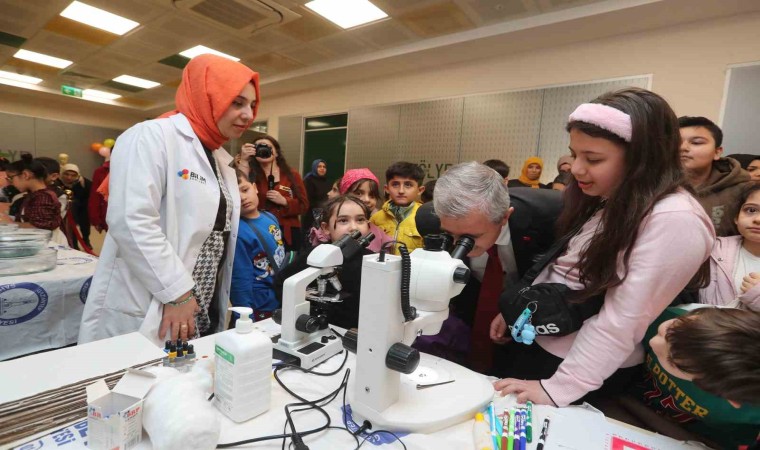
x=114, y=418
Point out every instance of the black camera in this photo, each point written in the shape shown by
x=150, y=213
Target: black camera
x=263, y=150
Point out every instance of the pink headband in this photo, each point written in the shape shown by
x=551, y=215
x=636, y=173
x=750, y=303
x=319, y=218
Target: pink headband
x=606, y=117
x=354, y=175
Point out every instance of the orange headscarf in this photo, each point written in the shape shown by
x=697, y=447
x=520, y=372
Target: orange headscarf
x=524, y=175
x=209, y=85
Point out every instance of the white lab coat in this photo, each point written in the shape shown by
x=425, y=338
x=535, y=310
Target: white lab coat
x=157, y=222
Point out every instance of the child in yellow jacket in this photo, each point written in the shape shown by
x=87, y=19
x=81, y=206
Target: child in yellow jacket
x=403, y=183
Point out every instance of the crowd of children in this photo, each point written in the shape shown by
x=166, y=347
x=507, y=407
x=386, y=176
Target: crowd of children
x=642, y=203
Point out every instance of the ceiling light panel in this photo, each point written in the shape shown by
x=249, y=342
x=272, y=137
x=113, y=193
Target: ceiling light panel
x=98, y=18
x=18, y=77
x=347, y=13
x=200, y=50
x=134, y=81
x=40, y=58
x=99, y=94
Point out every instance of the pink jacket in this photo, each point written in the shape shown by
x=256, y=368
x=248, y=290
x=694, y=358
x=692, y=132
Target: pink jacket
x=674, y=240
x=722, y=290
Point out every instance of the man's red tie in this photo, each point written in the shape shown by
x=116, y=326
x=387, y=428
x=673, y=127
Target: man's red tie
x=481, y=353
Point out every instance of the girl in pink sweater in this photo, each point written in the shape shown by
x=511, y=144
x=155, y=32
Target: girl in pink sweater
x=642, y=237
x=735, y=260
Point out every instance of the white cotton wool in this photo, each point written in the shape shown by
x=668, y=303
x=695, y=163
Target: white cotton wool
x=177, y=414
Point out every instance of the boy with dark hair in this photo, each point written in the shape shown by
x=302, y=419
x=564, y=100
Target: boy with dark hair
x=499, y=166
x=259, y=236
x=403, y=183
x=718, y=181
x=53, y=168
x=703, y=372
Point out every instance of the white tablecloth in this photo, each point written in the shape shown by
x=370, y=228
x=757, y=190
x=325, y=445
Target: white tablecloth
x=577, y=428
x=42, y=310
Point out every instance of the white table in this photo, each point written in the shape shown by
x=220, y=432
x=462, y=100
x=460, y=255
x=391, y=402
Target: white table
x=577, y=428
x=42, y=311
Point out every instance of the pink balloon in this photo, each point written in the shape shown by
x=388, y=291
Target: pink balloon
x=104, y=151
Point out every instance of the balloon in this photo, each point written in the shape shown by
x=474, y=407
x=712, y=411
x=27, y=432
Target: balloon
x=104, y=151
x=109, y=143
x=95, y=146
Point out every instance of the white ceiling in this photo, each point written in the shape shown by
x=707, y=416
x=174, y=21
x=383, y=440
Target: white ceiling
x=293, y=45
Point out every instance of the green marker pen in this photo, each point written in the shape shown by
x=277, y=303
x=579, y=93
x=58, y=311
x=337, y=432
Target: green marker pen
x=529, y=425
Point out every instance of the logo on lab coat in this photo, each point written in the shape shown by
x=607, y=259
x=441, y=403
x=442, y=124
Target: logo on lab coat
x=190, y=175
x=21, y=302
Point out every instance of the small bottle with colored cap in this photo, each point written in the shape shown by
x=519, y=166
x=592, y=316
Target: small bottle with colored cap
x=481, y=434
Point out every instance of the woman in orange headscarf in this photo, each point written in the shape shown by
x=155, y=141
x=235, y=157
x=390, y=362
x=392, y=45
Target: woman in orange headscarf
x=174, y=206
x=530, y=175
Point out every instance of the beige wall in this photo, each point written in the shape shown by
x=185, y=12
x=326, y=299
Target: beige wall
x=55, y=107
x=688, y=64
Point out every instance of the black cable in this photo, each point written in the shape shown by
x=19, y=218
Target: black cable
x=383, y=249
x=296, y=436
x=321, y=374
x=312, y=405
x=406, y=275
x=383, y=431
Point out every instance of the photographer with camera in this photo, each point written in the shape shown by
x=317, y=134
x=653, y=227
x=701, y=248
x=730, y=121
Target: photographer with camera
x=281, y=190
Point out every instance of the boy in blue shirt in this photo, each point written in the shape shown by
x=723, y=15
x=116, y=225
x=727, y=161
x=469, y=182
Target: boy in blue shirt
x=252, y=272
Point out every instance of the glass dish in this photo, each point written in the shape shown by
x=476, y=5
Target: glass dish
x=6, y=227
x=43, y=261
x=23, y=242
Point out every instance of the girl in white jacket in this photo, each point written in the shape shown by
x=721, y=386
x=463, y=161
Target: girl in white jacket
x=735, y=260
x=173, y=212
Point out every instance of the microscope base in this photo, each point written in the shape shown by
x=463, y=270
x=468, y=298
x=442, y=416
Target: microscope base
x=433, y=408
x=312, y=350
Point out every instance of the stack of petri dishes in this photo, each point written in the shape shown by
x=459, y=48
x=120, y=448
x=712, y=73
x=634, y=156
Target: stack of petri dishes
x=25, y=250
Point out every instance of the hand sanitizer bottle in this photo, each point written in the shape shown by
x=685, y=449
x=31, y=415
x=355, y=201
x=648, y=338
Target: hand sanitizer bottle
x=242, y=383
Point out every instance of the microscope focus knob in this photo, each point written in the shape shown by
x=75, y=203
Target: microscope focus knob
x=307, y=324
x=351, y=340
x=277, y=316
x=402, y=358
x=461, y=275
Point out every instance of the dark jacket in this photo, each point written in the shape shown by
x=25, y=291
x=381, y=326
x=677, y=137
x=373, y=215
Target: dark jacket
x=80, y=197
x=316, y=192
x=517, y=183
x=721, y=191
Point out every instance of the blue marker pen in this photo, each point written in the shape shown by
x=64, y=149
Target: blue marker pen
x=523, y=426
x=492, y=419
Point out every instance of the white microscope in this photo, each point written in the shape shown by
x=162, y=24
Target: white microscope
x=303, y=336
x=396, y=387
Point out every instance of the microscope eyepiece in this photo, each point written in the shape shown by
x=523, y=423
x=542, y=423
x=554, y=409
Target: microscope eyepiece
x=463, y=246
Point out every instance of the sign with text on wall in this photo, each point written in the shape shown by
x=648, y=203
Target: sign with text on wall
x=434, y=170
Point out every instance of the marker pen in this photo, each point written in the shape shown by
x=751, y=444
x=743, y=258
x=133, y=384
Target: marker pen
x=544, y=434
x=529, y=425
x=523, y=426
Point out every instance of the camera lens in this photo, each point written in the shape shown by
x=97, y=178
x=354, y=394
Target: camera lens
x=263, y=150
